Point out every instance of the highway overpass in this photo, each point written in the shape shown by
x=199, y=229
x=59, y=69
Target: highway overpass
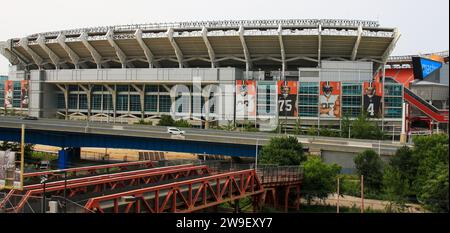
x=63, y=133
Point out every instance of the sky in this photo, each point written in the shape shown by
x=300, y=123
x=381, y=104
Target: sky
x=424, y=24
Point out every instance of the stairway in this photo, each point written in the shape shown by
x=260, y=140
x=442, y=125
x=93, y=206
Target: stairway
x=437, y=115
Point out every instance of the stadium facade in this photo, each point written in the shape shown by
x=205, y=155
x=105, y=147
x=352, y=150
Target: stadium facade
x=315, y=71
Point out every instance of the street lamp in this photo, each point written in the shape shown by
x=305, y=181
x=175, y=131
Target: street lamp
x=108, y=107
x=44, y=179
x=256, y=155
x=65, y=187
x=285, y=90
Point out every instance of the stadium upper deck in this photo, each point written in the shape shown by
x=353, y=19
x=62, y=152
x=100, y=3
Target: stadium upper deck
x=247, y=44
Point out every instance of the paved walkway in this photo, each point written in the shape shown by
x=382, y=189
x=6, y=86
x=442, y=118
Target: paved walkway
x=350, y=201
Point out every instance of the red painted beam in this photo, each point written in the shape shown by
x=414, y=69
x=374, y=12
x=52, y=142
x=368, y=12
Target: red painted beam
x=441, y=117
x=120, y=178
x=165, y=173
x=105, y=176
x=92, y=168
x=225, y=185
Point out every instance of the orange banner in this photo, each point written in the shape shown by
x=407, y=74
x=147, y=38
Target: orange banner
x=287, y=104
x=245, y=98
x=330, y=100
x=9, y=92
x=24, y=97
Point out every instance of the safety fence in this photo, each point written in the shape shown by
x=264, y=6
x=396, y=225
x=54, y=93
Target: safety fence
x=274, y=174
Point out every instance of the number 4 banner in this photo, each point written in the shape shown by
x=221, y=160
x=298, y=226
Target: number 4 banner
x=372, y=99
x=287, y=98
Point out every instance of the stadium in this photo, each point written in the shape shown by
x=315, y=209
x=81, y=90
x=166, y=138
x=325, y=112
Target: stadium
x=317, y=73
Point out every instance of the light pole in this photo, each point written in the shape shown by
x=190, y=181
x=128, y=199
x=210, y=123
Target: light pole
x=285, y=90
x=43, y=182
x=256, y=155
x=107, y=106
x=65, y=191
x=65, y=188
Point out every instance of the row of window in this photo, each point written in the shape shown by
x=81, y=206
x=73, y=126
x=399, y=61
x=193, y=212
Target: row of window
x=104, y=102
x=308, y=99
x=351, y=105
x=120, y=88
x=268, y=101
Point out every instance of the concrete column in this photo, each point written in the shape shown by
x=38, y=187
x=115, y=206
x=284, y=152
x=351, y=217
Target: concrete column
x=113, y=92
x=66, y=101
x=68, y=155
x=142, y=96
x=65, y=90
x=403, y=137
x=88, y=91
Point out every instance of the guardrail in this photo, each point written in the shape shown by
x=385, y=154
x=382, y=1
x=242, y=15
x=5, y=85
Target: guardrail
x=278, y=175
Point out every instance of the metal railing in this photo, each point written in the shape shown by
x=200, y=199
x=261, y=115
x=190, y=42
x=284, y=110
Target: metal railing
x=215, y=166
x=422, y=101
x=274, y=174
x=219, y=24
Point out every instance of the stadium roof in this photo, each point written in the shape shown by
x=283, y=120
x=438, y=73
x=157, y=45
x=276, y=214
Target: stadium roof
x=249, y=44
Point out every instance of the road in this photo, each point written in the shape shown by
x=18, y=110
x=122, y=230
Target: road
x=203, y=135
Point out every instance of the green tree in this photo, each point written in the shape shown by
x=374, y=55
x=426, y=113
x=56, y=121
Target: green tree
x=319, y=179
x=398, y=178
x=143, y=122
x=282, y=151
x=166, y=120
x=312, y=131
x=298, y=128
x=346, y=124
x=249, y=127
x=431, y=183
x=327, y=132
x=230, y=126
x=395, y=188
x=15, y=146
x=369, y=164
x=182, y=124
x=432, y=189
x=364, y=128
x=406, y=164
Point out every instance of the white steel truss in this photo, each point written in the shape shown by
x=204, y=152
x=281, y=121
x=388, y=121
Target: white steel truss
x=53, y=57
x=120, y=54
x=211, y=53
x=95, y=55
x=283, y=53
x=175, y=47
x=248, y=61
x=36, y=58
x=148, y=54
x=358, y=41
x=61, y=39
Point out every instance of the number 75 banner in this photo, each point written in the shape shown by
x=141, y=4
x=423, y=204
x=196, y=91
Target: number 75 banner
x=287, y=98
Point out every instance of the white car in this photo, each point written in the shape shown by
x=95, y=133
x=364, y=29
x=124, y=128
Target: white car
x=175, y=131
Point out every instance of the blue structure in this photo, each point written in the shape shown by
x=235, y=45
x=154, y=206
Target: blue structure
x=77, y=140
x=68, y=155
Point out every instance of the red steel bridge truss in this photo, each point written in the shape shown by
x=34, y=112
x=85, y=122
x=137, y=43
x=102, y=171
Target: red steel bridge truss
x=140, y=187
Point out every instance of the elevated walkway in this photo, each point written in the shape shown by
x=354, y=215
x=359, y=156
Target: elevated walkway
x=438, y=115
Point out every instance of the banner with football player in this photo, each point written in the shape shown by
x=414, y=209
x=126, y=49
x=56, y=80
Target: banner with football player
x=245, y=99
x=330, y=100
x=24, y=98
x=10, y=174
x=287, y=98
x=9, y=90
x=372, y=99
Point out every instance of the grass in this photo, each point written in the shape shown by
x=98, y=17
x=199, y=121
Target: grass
x=332, y=209
x=43, y=156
